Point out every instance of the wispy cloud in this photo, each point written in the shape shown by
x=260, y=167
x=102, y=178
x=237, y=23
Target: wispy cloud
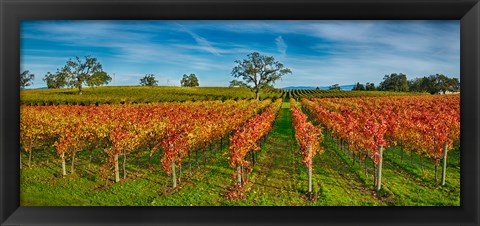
x=281, y=45
x=203, y=43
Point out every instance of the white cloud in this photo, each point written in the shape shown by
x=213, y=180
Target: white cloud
x=281, y=45
x=203, y=43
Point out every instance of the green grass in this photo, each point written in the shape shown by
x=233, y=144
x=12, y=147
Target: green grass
x=138, y=94
x=339, y=183
x=278, y=179
x=401, y=184
x=146, y=184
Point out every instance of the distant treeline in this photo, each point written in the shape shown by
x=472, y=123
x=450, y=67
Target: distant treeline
x=433, y=84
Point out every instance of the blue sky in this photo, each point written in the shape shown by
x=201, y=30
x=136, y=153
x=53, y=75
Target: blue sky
x=319, y=53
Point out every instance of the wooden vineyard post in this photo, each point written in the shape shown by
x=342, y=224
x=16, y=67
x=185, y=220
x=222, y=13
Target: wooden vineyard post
x=421, y=164
x=174, y=175
x=180, y=175
x=90, y=158
x=379, y=172
x=239, y=175
x=149, y=160
x=30, y=159
x=205, y=157
x=30, y=155
x=444, y=168
x=253, y=158
x=124, y=162
x=365, y=163
x=310, y=193
x=401, y=152
x=73, y=163
x=64, y=171
x=20, y=159
x=117, y=174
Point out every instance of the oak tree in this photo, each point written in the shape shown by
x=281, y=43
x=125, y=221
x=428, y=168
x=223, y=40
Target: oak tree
x=189, y=80
x=148, y=80
x=259, y=71
x=26, y=79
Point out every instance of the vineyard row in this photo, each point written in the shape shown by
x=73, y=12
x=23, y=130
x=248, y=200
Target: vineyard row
x=429, y=126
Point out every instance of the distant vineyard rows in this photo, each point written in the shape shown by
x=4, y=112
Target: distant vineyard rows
x=137, y=94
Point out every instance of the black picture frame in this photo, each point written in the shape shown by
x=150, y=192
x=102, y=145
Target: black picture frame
x=13, y=11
